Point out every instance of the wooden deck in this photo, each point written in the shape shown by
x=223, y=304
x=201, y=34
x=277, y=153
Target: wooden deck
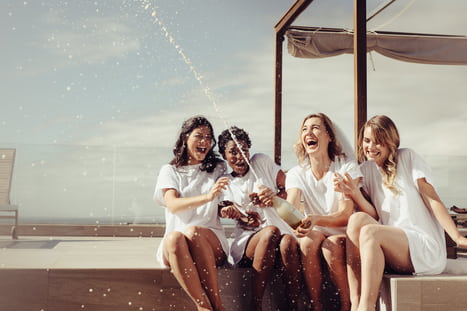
x=428, y=293
x=100, y=268
x=107, y=289
x=108, y=273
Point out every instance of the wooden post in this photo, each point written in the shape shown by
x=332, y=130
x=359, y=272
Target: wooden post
x=281, y=27
x=278, y=101
x=360, y=73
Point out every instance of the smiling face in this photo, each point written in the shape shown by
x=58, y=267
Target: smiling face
x=314, y=137
x=373, y=151
x=235, y=159
x=199, y=142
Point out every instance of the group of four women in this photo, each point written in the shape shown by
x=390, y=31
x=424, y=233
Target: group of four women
x=361, y=219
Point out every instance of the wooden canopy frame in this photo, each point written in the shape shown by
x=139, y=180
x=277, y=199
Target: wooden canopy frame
x=360, y=75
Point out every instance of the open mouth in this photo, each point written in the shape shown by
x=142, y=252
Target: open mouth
x=240, y=164
x=311, y=142
x=201, y=149
x=372, y=153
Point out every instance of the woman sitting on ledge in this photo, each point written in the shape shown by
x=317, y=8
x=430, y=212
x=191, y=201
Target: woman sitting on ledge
x=194, y=242
x=409, y=237
x=261, y=236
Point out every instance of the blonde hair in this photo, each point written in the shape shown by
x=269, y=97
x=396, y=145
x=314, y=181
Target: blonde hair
x=334, y=147
x=386, y=134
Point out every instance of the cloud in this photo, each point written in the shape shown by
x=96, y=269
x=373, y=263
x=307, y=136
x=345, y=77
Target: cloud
x=436, y=17
x=244, y=96
x=93, y=40
x=413, y=95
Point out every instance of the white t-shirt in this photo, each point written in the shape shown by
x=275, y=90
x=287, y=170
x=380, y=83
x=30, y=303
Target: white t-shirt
x=190, y=181
x=407, y=210
x=238, y=192
x=318, y=195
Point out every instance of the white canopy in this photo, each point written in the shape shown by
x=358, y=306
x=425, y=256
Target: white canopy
x=417, y=48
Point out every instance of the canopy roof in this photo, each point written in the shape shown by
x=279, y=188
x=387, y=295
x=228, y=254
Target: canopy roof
x=314, y=42
x=318, y=42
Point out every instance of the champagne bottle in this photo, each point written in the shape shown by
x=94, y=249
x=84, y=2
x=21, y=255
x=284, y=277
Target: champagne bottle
x=288, y=212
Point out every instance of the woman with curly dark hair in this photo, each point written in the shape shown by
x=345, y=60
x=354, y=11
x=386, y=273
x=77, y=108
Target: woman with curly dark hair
x=262, y=236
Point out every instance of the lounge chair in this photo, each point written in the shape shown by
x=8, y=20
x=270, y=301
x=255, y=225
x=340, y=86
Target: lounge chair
x=7, y=210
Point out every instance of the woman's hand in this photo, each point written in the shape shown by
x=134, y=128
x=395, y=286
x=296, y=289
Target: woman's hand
x=346, y=185
x=230, y=211
x=221, y=184
x=266, y=196
x=306, y=226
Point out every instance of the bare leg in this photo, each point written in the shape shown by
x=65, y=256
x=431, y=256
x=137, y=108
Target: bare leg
x=356, y=222
x=262, y=249
x=207, y=253
x=381, y=245
x=310, y=247
x=333, y=248
x=289, y=251
x=177, y=255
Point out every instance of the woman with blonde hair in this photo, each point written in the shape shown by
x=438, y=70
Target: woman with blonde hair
x=409, y=237
x=321, y=162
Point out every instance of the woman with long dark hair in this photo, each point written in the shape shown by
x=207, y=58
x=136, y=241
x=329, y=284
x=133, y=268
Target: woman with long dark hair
x=194, y=243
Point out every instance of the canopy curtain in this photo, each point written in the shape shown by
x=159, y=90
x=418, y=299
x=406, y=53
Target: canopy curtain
x=416, y=48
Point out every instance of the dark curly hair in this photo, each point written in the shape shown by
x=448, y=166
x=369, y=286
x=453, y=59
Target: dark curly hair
x=226, y=136
x=180, y=149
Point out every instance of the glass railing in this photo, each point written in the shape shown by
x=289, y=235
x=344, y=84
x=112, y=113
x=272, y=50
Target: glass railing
x=71, y=184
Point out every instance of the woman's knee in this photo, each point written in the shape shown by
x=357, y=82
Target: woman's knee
x=175, y=242
x=334, y=245
x=311, y=244
x=194, y=232
x=369, y=234
x=356, y=222
x=266, y=239
x=271, y=233
x=288, y=244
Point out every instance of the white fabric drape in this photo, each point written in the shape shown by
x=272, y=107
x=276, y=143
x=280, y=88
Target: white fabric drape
x=417, y=48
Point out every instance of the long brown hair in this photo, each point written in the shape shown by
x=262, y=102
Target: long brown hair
x=180, y=149
x=386, y=134
x=334, y=147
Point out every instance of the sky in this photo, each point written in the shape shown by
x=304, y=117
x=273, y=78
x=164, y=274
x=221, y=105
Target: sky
x=94, y=92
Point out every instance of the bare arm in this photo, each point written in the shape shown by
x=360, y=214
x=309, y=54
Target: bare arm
x=351, y=194
x=176, y=204
x=336, y=219
x=350, y=188
x=294, y=197
x=434, y=203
